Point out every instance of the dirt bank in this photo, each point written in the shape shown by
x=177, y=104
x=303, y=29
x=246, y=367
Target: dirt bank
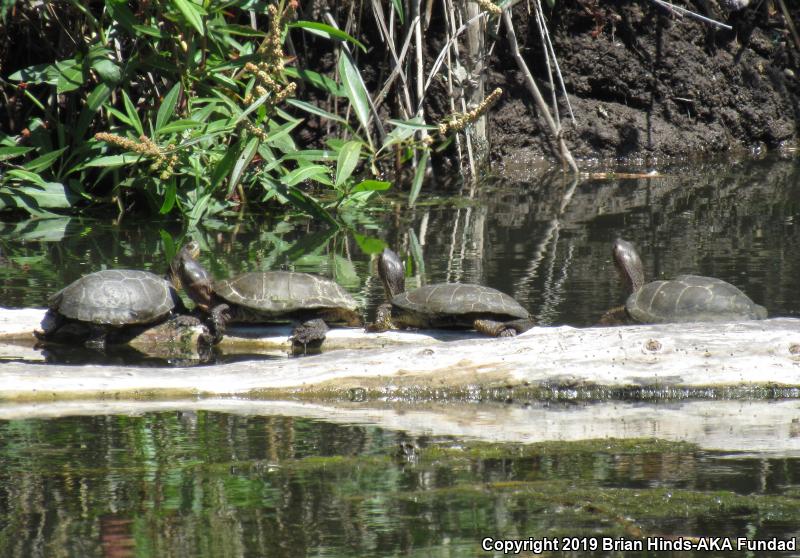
x=645, y=83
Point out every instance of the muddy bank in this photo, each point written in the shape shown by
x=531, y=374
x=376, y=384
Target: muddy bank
x=645, y=84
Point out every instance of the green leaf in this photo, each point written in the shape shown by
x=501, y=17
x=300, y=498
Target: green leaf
x=26, y=176
x=347, y=161
x=413, y=124
x=419, y=175
x=316, y=79
x=224, y=166
x=169, y=197
x=133, y=116
x=107, y=70
x=119, y=11
x=70, y=76
x=149, y=30
x=315, y=110
x=241, y=30
x=7, y=153
x=242, y=162
x=368, y=244
x=39, y=73
x=167, y=108
x=96, y=98
x=398, y=8
x=191, y=12
x=113, y=161
x=371, y=186
x=178, y=126
x=43, y=195
x=44, y=162
x=327, y=31
x=354, y=89
x=307, y=172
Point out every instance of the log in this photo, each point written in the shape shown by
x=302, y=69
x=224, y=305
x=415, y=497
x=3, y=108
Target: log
x=748, y=359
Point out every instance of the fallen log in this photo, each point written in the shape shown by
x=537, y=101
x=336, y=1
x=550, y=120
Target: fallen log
x=748, y=359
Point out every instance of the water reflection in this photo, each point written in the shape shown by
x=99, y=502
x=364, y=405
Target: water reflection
x=215, y=484
x=732, y=221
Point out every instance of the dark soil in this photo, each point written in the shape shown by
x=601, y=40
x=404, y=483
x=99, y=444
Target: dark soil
x=646, y=84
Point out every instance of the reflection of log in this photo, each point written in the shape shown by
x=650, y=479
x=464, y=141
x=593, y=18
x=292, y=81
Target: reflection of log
x=751, y=426
x=671, y=360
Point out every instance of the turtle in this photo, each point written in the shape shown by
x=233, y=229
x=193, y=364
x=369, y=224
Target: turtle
x=686, y=298
x=445, y=305
x=110, y=306
x=309, y=301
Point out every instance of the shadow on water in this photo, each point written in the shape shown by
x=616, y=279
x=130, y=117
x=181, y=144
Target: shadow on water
x=217, y=484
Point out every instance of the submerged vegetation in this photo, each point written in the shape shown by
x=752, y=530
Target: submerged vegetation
x=192, y=109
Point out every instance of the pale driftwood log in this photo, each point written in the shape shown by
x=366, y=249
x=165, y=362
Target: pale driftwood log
x=685, y=356
x=756, y=427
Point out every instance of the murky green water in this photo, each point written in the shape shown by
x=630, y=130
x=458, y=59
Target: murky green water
x=215, y=484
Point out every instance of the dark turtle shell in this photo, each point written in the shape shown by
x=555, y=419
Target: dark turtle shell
x=282, y=293
x=455, y=304
x=692, y=298
x=116, y=297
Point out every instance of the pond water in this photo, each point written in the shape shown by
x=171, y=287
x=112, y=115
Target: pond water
x=215, y=484
x=203, y=483
x=736, y=221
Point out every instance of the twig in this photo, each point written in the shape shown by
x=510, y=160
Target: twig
x=566, y=156
x=790, y=24
x=677, y=10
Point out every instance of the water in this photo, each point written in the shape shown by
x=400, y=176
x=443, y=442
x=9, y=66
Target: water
x=217, y=484
x=735, y=221
x=211, y=483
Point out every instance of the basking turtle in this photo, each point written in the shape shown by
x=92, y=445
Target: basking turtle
x=109, y=306
x=267, y=297
x=687, y=298
x=445, y=305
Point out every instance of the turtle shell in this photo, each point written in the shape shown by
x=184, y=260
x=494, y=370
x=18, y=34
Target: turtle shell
x=116, y=297
x=278, y=293
x=692, y=298
x=455, y=304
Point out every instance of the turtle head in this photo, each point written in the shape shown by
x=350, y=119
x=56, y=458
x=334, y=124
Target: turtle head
x=629, y=264
x=390, y=270
x=185, y=271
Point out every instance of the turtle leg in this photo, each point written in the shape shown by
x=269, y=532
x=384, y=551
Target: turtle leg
x=614, y=317
x=383, y=320
x=97, y=338
x=216, y=322
x=503, y=329
x=51, y=323
x=310, y=332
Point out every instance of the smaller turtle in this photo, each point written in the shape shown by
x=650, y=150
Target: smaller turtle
x=307, y=300
x=445, y=305
x=110, y=306
x=686, y=298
